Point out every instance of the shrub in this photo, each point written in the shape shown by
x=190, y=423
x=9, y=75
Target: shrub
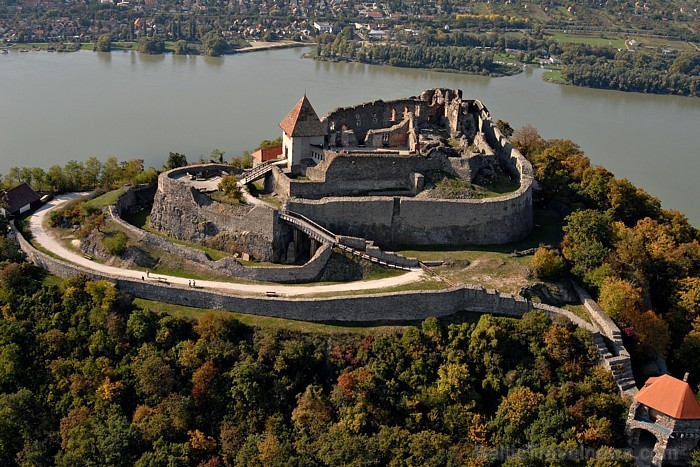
x=547, y=264
x=115, y=244
x=229, y=186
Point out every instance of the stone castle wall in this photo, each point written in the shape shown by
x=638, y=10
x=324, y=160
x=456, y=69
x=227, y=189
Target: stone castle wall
x=398, y=306
x=410, y=221
x=352, y=174
x=372, y=307
x=182, y=212
x=283, y=274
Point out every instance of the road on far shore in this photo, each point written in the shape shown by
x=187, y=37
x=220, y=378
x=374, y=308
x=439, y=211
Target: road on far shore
x=49, y=242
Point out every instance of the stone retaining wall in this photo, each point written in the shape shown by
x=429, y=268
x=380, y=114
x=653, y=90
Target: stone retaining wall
x=284, y=274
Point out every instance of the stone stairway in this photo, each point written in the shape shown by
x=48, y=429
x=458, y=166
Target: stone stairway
x=369, y=252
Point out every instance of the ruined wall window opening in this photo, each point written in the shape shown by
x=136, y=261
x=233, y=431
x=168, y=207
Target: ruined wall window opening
x=393, y=115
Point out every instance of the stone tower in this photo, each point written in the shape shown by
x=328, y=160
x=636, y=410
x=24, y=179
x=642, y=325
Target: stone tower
x=302, y=134
x=663, y=425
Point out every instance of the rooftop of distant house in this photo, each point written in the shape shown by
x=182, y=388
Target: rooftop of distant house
x=19, y=197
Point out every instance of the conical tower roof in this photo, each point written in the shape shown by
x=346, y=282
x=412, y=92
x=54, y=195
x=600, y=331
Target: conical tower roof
x=670, y=396
x=303, y=121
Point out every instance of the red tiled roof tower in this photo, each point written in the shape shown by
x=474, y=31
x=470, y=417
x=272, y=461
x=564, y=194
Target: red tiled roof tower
x=302, y=121
x=670, y=396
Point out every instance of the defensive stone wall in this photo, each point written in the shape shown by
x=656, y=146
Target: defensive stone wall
x=283, y=274
x=182, y=212
x=409, y=221
x=372, y=307
x=379, y=307
x=352, y=174
x=616, y=358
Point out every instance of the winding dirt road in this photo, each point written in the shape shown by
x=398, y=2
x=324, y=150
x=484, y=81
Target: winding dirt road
x=54, y=245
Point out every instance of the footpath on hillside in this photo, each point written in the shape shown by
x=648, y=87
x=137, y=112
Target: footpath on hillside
x=49, y=242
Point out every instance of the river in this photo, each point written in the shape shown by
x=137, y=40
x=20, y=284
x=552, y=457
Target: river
x=57, y=107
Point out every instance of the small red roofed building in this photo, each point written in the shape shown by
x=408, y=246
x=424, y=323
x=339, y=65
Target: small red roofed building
x=663, y=425
x=267, y=154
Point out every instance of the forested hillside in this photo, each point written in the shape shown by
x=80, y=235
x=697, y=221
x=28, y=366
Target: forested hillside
x=641, y=261
x=87, y=378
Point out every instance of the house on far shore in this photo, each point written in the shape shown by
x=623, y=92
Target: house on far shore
x=18, y=200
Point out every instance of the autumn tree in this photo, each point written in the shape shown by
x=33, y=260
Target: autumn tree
x=618, y=298
x=229, y=187
x=547, y=263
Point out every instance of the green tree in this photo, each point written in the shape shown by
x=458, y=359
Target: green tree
x=154, y=376
x=229, y=187
x=104, y=43
x=266, y=143
x=505, y=128
x=217, y=156
x=245, y=161
x=92, y=173
x=175, y=160
x=181, y=47
x=214, y=45
x=587, y=239
x=151, y=45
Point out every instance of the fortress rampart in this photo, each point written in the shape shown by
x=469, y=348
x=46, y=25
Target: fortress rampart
x=399, y=306
x=182, y=212
x=416, y=305
x=283, y=274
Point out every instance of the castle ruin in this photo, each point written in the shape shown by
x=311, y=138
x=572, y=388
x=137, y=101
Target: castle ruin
x=361, y=175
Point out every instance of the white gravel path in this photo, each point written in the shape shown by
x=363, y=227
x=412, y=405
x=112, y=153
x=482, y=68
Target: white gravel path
x=54, y=245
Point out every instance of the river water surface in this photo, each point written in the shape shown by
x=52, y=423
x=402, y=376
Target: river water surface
x=57, y=107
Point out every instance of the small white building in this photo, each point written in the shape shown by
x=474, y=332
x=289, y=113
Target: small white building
x=322, y=27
